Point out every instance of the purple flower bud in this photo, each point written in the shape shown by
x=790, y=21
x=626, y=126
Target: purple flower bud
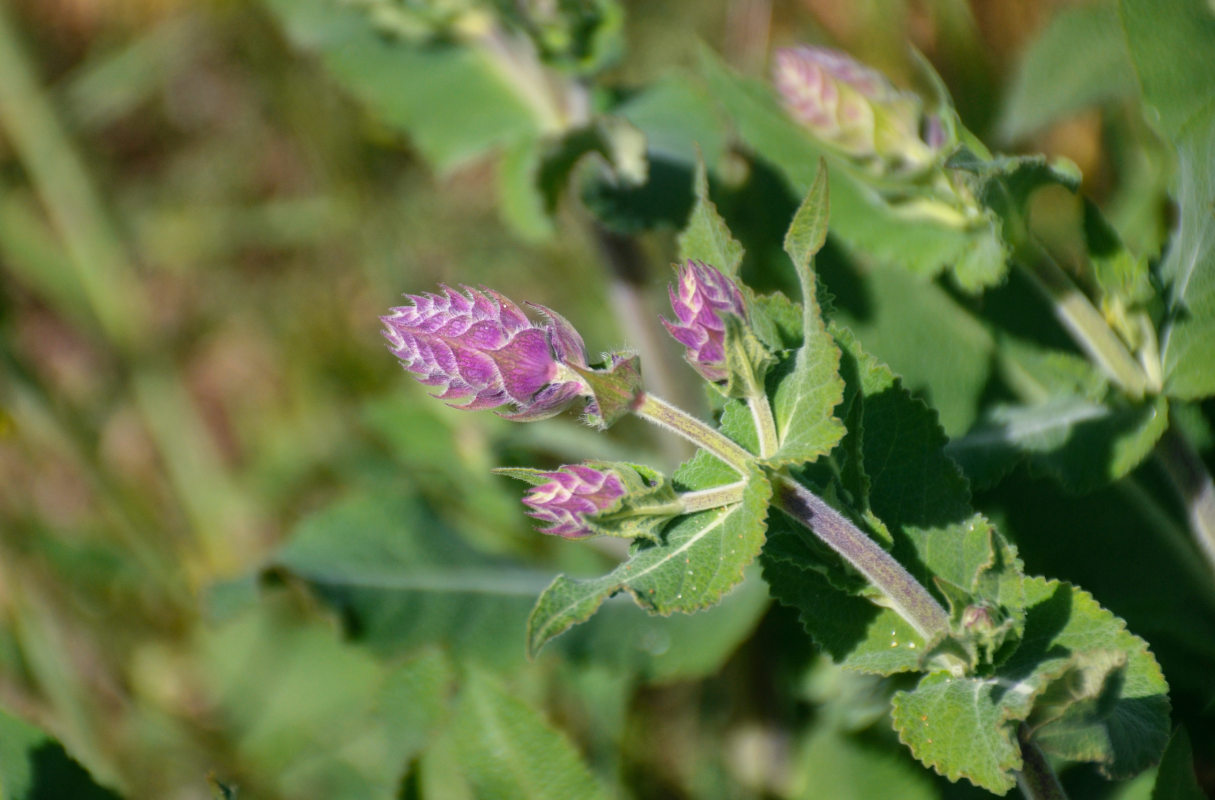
x=700, y=299
x=572, y=495
x=852, y=106
x=480, y=346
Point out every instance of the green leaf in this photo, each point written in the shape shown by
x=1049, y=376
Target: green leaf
x=1078, y=61
x=405, y=579
x=914, y=493
x=808, y=231
x=706, y=237
x=918, y=232
x=1082, y=443
x=679, y=120
x=1175, y=778
x=34, y=766
x=454, y=102
x=830, y=763
x=1170, y=47
x=519, y=202
x=319, y=716
x=1189, y=268
x=1127, y=729
x=808, y=390
x=507, y=750
x=701, y=557
x=964, y=728
x=659, y=649
x=1090, y=691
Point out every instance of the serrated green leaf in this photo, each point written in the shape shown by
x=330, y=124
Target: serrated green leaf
x=1175, y=778
x=34, y=766
x=406, y=580
x=701, y=557
x=910, y=233
x=808, y=390
x=705, y=237
x=916, y=493
x=961, y=728
x=657, y=649
x=452, y=101
x=1078, y=61
x=1127, y=730
x=507, y=750
x=1004, y=185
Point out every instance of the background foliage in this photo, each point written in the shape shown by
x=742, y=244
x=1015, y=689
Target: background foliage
x=239, y=552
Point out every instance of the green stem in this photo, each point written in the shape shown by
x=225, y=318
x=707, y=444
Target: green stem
x=716, y=497
x=677, y=421
x=1190, y=478
x=904, y=593
x=906, y=596
x=765, y=425
x=1085, y=323
x=1036, y=779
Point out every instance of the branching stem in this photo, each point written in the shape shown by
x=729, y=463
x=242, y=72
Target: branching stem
x=662, y=413
x=907, y=597
x=904, y=593
x=716, y=497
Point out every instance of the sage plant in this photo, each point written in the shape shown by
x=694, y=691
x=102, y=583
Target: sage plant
x=824, y=468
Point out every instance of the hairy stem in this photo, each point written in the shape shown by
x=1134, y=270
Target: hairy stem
x=765, y=425
x=1085, y=323
x=1036, y=779
x=664, y=414
x=907, y=597
x=1190, y=478
x=715, y=497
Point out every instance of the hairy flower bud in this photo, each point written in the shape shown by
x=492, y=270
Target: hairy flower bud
x=571, y=497
x=480, y=347
x=701, y=298
x=852, y=107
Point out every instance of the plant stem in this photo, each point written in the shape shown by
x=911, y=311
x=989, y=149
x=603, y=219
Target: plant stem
x=715, y=497
x=662, y=413
x=1086, y=325
x=1036, y=779
x=1190, y=478
x=765, y=425
x=907, y=597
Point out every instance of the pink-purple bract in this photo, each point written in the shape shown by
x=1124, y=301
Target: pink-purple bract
x=571, y=496
x=480, y=347
x=700, y=298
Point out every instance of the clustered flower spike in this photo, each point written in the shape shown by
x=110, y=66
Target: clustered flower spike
x=480, y=347
x=572, y=495
x=853, y=107
x=700, y=298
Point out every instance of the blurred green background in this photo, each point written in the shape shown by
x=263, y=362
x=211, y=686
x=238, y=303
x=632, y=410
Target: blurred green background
x=236, y=541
